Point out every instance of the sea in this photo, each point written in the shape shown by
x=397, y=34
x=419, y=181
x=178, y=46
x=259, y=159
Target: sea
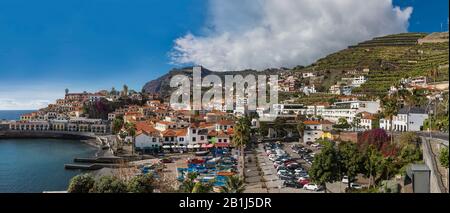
x=37, y=165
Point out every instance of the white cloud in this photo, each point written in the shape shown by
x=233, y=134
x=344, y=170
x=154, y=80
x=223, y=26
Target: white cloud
x=14, y=104
x=28, y=97
x=263, y=34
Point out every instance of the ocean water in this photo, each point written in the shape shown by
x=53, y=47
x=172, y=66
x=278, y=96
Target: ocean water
x=37, y=165
x=13, y=114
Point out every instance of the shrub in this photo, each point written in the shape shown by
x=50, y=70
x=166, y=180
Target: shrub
x=109, y=184
x=141, y=184
x=443, y=157
x=81, y=184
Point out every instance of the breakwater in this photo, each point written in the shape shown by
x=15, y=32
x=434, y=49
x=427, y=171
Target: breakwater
x=14, y=134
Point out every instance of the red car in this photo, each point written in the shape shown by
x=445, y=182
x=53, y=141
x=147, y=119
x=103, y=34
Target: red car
x=166, y=160
x=304, y=182
x=289, y=162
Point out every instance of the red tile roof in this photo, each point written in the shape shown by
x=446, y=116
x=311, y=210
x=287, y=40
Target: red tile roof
x=311, y=122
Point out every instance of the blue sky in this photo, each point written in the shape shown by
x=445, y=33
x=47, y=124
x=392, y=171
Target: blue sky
x=49, y=45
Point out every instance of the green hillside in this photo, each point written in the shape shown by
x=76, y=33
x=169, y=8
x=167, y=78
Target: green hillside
x=389, y=59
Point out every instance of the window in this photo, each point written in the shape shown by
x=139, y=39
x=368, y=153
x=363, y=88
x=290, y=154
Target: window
x=202, y=137
x=194, y=131
x=181, y=139
x=194, y=139
x=154, y=139
x=172, y=138
x=220, y=140
x=225, y=140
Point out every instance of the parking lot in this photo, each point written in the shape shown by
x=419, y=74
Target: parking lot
x=273, y=181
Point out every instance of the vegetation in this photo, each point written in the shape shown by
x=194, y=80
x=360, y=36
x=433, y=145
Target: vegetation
x=141, y=184
x=242, y=134
x=388, y=58
x=349, y=159
x=374, y=155
x=234, y=184
x=342, y=124
x=109, y=184
x=326, y=166
x=443, y=157
x=81, y=184
x=117, y=124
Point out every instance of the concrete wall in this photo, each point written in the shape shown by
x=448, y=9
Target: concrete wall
x=46, y=134
x=436, y=185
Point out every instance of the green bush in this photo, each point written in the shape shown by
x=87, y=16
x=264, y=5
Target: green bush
x=141, y=184
x=443, y=157
x=81, y=184
x=109, y=184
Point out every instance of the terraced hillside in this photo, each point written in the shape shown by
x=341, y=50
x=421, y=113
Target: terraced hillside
x=389, y=59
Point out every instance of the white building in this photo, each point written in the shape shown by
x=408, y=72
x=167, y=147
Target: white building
x=313, y=131
x=407, y=119
x=145, y=140
x=308, y=75
x=309, y=90
x=358, y=81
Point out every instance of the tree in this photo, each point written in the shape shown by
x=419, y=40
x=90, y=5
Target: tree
x=390, y=108
x=141, y=184
x=373, y=163
x=301, y=128
x=117, y=124
x=349, y=160
x=443, y=157
x=131, y=130
x=375, y=137
x=356, y=122
x=342, y=124
x=325, y=167
x=67, y=91
x=202, y=188
x=234, y=184
x=109, y=184
x=241, y=134
x=190, y=185
x=81, y=184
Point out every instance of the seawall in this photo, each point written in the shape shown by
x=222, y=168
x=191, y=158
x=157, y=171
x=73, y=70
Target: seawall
x=13, y=134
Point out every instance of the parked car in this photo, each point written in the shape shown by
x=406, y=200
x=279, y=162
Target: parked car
x=299, y=170
x=273, y=158
x=345, y=179
x=304, y=182
x=277, y=163
x=279, y=168
x=302, y=175
x=166, y=160
x=312, y=187
x=292, y=184
x=355, y=186
x=293, y=166
x=285, y=177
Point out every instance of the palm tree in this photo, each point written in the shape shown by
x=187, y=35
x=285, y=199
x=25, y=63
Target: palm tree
x=131, y=130
x=234, y=184
x=390, y=108
x=241, y=134
x=301, y=129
